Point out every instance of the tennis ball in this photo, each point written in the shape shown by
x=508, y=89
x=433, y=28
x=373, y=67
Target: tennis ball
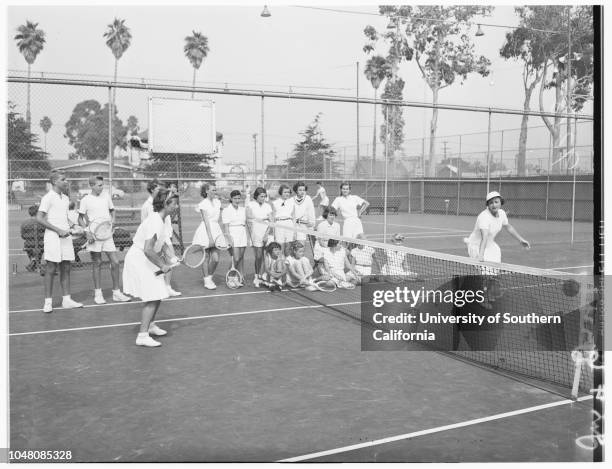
x=571, y=287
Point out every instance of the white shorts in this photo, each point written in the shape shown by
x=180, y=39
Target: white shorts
x=58, y=249
x=102, y=246
x=284, y=235
x=352, y=227
x=239, y=236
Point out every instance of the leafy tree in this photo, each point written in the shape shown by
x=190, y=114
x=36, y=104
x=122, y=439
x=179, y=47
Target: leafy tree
x=313, y=155
x=87, y=131
x=394, y=120
x=196, y=50
x=45, y=125
x=26, y=159
x=437, y=38
x=30, y=41
x=376, y=70
x=118, y=39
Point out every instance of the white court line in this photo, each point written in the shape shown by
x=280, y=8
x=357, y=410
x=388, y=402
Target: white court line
x=573, y=267
x=107, y=305
x=242, y=313
x=409, y=226
x=439, y=235
x=430, y=431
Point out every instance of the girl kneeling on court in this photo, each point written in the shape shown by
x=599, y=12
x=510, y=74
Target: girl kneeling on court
x=337, y=265
x=142, y=265
x=274, y=265
x=299, y=270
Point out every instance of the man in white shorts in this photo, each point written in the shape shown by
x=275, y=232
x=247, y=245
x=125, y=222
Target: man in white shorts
x=58, y=249
x=322, y=194
x=99, y=206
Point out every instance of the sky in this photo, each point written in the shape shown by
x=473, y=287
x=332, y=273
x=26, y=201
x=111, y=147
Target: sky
x=307, y=50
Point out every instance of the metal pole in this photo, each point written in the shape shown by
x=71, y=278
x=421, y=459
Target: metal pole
x=263, y=168
x=423, y=175
x=110, y=142
x=345, y=160
x=548, y=175
x=459, y=177
x=255, y=159
x=357, y=80
x=501, y=160
x=569, y=81
x=386, y=178
x=489, y=153
x=574, y=188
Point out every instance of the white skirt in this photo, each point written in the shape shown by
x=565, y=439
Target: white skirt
x=352, y=227
x=284, y=235
x=139, y=277
x=201, y=237
x=492, y=253
x=258, y=229
x=239, y=236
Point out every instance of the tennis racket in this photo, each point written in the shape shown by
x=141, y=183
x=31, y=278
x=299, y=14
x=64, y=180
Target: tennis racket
x=193, y=257
x=233, y=278
x=101, y=229
x=278, y=268
x=221, y=243
x=325, y=285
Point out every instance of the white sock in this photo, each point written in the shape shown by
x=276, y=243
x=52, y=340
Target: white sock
x=66, y=297
x=98, y=292
x=116, y=291
x=48, y=300
x=143, y=334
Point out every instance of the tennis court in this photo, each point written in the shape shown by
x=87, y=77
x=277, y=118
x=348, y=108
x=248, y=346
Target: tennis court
x=249, y=375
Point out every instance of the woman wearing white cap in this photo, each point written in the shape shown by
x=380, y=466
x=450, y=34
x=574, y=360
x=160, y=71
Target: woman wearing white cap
x=481, y=243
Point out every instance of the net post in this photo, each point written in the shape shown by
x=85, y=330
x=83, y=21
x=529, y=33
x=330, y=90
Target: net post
x=489, y=153
x=386, y=177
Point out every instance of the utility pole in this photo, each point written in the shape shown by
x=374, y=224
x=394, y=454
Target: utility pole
x=255, y=158
x=357, y=119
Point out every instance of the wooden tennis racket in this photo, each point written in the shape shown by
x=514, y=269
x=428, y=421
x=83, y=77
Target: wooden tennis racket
x=221, y=243
x=101, y=229
x=233, y=278
x=327, y=286
x=193, y=257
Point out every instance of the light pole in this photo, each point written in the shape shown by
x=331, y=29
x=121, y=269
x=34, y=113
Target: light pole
x=255, y=158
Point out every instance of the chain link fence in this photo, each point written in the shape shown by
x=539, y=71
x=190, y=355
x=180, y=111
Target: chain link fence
x=272, y=138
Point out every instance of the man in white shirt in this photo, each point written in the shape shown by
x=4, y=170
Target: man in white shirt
x=58, y=249
x=99, y=206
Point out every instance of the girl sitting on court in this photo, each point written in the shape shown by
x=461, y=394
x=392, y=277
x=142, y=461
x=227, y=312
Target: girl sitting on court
x=395, y=262
x=361, y=257
x=274, y=266
x=299, y=270
x=337, y=267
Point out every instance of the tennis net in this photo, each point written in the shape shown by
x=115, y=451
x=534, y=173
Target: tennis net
x=547, y=352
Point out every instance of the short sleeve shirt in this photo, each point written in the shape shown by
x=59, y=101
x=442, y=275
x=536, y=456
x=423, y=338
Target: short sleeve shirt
x=152, y=226
x=56, y=207
x=325, y=228
x=96, y=207
x=304, y=209
x=147, y=209
x=486, y=221
x=283, y=209
x=233, y=216
x=261, y=212
x=347, y=206
x=323, y=194
x=363, y=256
x=211, y=209
x=335, y=259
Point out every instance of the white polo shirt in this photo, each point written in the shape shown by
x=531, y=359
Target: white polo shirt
x=96, y=207
x=56, y=207
x=347, y=206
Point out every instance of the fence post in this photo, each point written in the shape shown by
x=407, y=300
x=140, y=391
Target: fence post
x=263, y=168
x=574, y=186
x=386, y=179
x=548, y=175
x=409, y=196
x=501, y=160
x=110, y=142
x=489, y=153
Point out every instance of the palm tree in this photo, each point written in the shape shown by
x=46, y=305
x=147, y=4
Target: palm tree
x=45, y=125
x=196, y=50
x=30, y=42
x=376, y=70
x=118, y=39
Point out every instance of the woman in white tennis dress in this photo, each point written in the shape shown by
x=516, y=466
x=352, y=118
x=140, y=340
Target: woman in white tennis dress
x=234, y=228
x=259, y=214
x=142, y=262
x=282, y=208
x=350, y=207
x=303, y=210
x=481, y=243
x=209, y=229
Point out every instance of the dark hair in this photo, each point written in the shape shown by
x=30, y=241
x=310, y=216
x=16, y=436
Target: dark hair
x=163, y=198
x=295, y=245
x=94, y=179
x=71, y=205
x=32, y=210
x=319, y=182
x=258, y=192
x=205, y=188
x=273, y=245
x=299, y=184
x=282, y=188
x=331, y=242
x=55, y=175
x=496, y=197
x=328, y=210
x=345, y=183
x=152, y=185
x=234, y=193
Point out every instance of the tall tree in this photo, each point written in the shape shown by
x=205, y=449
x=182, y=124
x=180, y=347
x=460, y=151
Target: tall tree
x=45, y=125
x=313, y=155
x=522, y=44
x=87, y=131
x=118, y=39
x=392, y=131
x=437, y=37
x=30, y=41
x=196, y=50
x=376, y=70
x=26, y=160
x=578, y=22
